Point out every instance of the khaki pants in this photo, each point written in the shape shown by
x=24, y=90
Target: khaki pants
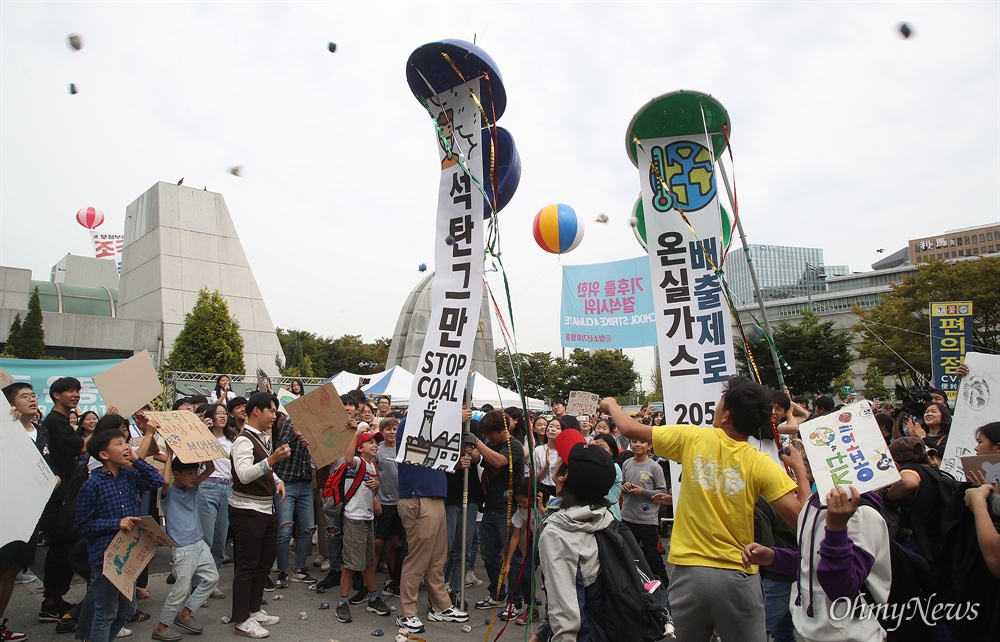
x=427, y=542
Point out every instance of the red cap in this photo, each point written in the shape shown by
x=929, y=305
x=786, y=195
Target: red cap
x=365, y=436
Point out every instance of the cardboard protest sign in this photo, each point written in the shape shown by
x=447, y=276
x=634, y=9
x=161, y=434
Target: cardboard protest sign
x=131, y=551
x=26, y=481
x=187, y=436
x=319, y=416
x=582, y=403
x=130, y=385
x=846, y=448
x=988, y=465
x=977, y=404
x=6, y=378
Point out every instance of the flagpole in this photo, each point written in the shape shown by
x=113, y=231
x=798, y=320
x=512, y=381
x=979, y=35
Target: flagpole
x=753, y=278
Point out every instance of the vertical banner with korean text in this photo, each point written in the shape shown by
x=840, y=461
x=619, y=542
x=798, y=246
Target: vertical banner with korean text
x=608, y=305
x=434, y=420
x=951, y=337
x=692, y=319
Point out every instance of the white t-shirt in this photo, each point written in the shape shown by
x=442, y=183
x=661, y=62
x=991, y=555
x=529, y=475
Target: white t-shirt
x=223, y=467
x=540, y=461
x=519, y=518
x=33, y=433
x=360, y=506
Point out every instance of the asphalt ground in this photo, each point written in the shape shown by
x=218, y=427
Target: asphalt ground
x=320, y=625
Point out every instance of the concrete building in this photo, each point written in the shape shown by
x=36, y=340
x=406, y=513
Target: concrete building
x=970, y=241
x=411, y=327
x=178, y=240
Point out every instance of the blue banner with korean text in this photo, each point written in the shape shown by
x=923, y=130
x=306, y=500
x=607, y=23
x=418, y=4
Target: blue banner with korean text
x=608, y=305
x=951, y=337
x=41, y=373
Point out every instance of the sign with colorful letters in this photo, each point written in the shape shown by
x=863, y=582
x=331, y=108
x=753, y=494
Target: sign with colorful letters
x=846, y=448
x=608, y=305
x=951, y=337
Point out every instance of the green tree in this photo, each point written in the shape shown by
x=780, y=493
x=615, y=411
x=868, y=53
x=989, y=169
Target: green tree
x=325, y=356
x=607, y=373
x=210, y=340
x=816, y=352
x=29, y=342
x=894, y=334
x=14, y=337
x=535, y=372
x=874, y=382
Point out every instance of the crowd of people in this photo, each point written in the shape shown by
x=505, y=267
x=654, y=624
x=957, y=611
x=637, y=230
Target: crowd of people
x=754, y=551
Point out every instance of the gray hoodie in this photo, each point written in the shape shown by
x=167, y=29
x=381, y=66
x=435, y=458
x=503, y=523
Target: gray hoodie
x=567, y=549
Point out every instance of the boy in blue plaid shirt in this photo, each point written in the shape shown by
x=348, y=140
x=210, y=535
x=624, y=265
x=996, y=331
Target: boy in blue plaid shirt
x=109, y=502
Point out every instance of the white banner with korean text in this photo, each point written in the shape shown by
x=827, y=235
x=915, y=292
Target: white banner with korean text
x=434, y=421
x=108, y=246
x=693, y=320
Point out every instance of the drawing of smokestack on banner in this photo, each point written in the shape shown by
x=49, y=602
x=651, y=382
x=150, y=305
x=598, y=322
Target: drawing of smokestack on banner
x=461, y=89
x=674, y=141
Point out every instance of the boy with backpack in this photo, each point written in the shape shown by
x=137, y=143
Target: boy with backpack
x=192, y=557
x=567, y=546
x=358, y=526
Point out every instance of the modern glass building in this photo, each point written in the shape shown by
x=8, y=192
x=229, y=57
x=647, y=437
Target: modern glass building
x=783, y=272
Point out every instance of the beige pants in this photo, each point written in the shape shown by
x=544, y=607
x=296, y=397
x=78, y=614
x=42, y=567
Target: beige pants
x=427, y=543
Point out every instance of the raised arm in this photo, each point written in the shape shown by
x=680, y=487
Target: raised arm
x=626, y=424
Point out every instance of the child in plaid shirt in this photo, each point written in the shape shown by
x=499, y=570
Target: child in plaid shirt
x=109, y=502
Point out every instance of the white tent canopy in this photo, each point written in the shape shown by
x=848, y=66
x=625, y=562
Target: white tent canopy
x=486, y=391
x=395, y=382
x=344, y=381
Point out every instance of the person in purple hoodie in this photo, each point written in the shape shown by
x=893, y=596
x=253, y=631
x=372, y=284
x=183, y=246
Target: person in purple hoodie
x=843, y=546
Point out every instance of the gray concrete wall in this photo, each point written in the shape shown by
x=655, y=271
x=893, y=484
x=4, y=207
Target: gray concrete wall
x=179, y=240
x=86, y=270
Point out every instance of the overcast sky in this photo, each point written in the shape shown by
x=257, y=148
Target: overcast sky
x=846, y=136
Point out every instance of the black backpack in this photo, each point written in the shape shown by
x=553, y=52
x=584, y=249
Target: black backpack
x=629, y=611
x=60, y=514
x=963, y=576
x=911, y=578
x=946, y=486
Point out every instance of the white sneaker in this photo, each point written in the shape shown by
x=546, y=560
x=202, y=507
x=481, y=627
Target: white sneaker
x=325, y=566
x=124, y=633
x=252, y=629
x=318, y=562
x=411, y=623
x=450, y=614
x=263, y=618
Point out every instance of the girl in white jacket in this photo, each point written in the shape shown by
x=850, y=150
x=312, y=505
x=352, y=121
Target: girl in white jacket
x=837, y=557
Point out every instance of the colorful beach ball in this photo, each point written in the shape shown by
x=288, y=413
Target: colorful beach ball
x=557, y=228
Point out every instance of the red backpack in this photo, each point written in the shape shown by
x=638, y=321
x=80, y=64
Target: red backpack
x=334, y=494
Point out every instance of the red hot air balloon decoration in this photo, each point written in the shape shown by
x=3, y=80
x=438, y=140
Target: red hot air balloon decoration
x=90, y=217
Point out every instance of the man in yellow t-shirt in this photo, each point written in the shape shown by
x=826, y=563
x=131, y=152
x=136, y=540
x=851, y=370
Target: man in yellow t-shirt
x=722, y=478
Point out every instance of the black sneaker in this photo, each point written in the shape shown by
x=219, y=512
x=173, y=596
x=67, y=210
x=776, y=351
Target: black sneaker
x=344, y=612
x=360, y=597
x=390, y=589
x=331, y=580
x=282, y=580
x=268, y=584
x=53, y=612
x=66, y=624
x=378, y=607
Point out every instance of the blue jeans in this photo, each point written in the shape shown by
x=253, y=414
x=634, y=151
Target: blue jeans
x=453, y=569
x=335, y=542
x=213, y=510
x=493, y=536
x=297, y=507
x=112, y=610
x=777, y=617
